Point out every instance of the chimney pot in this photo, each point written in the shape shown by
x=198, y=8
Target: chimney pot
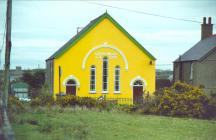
x=209, y=20
x=204, y=20
x=206, y=29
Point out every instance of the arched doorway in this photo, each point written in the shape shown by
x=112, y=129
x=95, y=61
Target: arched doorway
x=137, y=91
x=71, y=87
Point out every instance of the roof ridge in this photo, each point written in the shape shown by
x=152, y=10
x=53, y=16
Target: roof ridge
x=88, y=28
x=199, y=50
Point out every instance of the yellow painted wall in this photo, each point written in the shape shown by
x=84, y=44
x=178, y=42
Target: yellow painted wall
x=138, y=62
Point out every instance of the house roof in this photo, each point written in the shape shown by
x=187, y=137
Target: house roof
x=200, y=50
x=20, y=85
x=88, y=28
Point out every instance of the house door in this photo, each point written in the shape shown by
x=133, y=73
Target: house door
x=138, y=92
x=71, y=87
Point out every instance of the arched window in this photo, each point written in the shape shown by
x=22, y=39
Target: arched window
x=71, y=83
x=138, y=83
x=117, y=80
x=92, y=78
x=105, y=75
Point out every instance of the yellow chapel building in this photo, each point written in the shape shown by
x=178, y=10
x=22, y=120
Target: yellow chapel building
x=103, y=59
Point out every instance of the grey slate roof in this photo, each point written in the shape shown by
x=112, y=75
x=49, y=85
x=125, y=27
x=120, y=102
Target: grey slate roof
x=199, y=50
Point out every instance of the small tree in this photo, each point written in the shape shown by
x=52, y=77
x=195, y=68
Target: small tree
x=35, y=80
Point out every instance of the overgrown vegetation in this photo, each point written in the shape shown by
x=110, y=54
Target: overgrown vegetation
x=181, y=100
x=71, y=117
x=57, y=123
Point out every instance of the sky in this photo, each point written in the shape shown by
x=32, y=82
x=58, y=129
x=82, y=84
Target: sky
x=39, y=28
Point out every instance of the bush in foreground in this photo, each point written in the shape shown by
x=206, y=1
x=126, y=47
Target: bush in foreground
x=180, y=100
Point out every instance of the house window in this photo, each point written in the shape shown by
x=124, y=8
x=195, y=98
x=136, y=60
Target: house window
x=92, y=78
x=117, y=79
x=105, y=75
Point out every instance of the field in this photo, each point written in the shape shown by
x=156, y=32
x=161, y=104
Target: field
x=78, y=124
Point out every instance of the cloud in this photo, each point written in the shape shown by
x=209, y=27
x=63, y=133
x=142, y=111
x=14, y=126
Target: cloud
x=168, y=36
x=37, y=43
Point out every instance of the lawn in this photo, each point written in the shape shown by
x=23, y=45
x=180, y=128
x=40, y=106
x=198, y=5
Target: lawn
x=77, y=124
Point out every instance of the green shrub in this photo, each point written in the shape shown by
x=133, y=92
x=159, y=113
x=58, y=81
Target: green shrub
x=44, y=98
x=15, y=105
x=35, y=102
x=210, y=108
x=129, y=108
x=182, y=100
x=87, y=102
x=68, y=100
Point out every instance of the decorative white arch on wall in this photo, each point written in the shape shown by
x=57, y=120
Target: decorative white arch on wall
x=138, y=78
x=71, y=77
x=105, y=46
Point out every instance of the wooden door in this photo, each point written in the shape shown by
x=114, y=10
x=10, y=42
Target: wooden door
x=71, y=89
x=137, y=92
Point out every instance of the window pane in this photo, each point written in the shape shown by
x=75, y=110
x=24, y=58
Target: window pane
x=116, y=88
x=105, y=74
x=117, y=78
x=92, y=78
x=92, y=72
x=116, y=82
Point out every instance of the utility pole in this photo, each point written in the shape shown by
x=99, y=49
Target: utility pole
x=7, y=54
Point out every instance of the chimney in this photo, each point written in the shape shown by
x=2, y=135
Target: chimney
x=206, y=28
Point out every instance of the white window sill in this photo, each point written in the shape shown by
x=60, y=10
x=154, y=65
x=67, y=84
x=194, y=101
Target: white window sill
x=116, y=92
x=92, y=92
x=104, y=91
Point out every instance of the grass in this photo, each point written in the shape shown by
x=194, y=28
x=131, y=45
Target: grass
x=77, y=124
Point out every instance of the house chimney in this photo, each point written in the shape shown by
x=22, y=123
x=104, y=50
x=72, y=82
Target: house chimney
x=206, y=28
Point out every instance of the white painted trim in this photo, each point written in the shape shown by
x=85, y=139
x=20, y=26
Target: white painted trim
x=105, y=46
x=117, y=92
x=138, y=78
x=71, y=77
x=104, y=91
x=92, y=92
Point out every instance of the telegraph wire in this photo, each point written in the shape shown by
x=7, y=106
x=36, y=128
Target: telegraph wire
x=142, y=12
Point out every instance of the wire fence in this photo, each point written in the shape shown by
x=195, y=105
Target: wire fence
x=121, y=100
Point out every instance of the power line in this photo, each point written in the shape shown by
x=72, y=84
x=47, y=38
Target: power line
x=142, y=12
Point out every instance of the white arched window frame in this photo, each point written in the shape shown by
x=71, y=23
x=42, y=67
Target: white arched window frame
x=117, y=80
x=105, y=75
x=138, y=78
x=105, y=46
x=92, y=79
x=71, y=77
